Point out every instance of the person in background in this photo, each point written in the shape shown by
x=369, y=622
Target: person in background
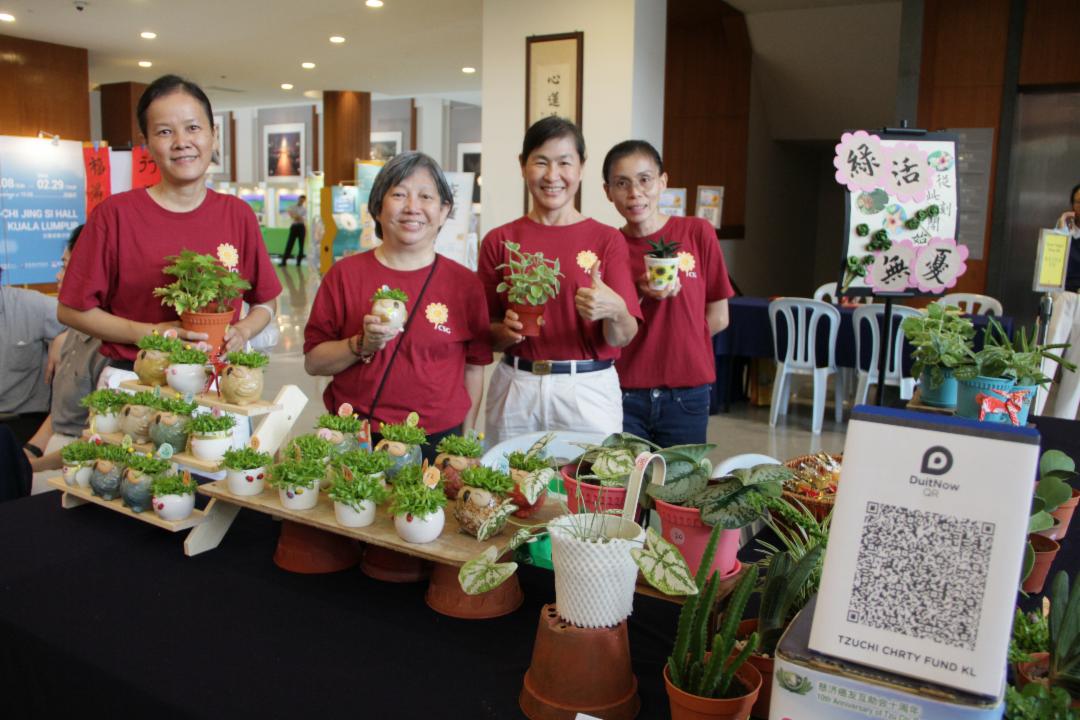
x=666, y=392
x=564, y=379
x=434, y=366
x=1064, y=324
x=297, y=231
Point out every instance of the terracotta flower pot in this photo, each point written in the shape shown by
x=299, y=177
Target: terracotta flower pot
x=241, y=385
x=214, y=324
x=764, y=665
x=525, y=508
x=683, y=528
x=531, y=316
x=444, y=595
x=150, y=366
x=451, y=467
x=1045, y=551
x=1053, y=532
x=1065, y=511
x=309, y=550
x=685, y=706
x=592, y=498
x=1034, y=670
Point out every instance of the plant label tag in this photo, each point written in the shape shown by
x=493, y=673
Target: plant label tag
x=926, y=547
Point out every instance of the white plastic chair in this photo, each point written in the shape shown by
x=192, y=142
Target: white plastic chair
x=746, y=460
x=873, y=316
x=973, y=303
x=802, y=317
x=827, y=293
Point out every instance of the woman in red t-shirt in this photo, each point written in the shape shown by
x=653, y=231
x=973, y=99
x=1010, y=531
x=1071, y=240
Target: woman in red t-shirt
x=108, y=289
x=434, y=365
x=565, y=378
x=666, y=393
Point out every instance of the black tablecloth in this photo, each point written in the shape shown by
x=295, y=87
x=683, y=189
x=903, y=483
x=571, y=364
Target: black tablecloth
x=102, y=612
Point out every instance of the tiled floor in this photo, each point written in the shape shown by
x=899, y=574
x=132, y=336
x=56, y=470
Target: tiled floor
x=743, y=430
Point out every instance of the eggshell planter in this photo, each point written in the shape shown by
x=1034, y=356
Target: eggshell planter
x=420, y=530
x=78, y=475
x=473, y=507
x=211, y=447
x=150, y=366
x=245, y=482
x=241, y=385
x=106, y=422
x=187, y=378
x=299, y=498
x=347, y=516
x=174, y=507
x=392, y=312
x=662, y=272
x=401, y=453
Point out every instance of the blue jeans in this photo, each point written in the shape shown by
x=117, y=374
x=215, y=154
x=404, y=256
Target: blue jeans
x=666, y=416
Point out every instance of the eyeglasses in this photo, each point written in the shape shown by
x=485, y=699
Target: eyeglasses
x=644, y=183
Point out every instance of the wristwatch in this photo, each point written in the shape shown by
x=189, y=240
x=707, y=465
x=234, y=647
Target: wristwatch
x=33, y=450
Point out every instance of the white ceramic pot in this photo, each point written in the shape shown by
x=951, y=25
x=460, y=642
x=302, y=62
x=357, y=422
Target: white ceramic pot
x=298, y=498
x=106, y=422
x=420, y=530
x=347, y=517
x=186, y=378
x=662, y=272
x=174, y=507
x=78, y=475
x=246, y=482
x=211, y=447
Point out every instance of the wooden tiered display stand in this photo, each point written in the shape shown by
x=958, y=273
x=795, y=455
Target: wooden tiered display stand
x=207, y=526
x=916, y=404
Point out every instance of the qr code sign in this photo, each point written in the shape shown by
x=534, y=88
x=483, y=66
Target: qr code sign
x=921, y=574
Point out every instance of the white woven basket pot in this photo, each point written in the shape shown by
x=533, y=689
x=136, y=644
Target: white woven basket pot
x=594, y=579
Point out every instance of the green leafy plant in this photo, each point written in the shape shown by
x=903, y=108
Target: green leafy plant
x=106, y=402
x=733, y=501
x=662, y=249
x=995, y=360
x=1038, y=702
x=799, y=533
x=357, y=490
x=202, y=284
x=1025, y=356
x=173, y=484
x=148, y=465
x=247, y=359
x=245, y=459
x=786, y=580
x=207, y=423
x=687, y=666
x=146, y=398
x=610, y=463
x=535, y=458
x=1056, y=469
x=389, y=293
x=310, y=446
x=406, y=432
x=187, y=355
x=114, y=454
x=363, y=462
x=411, y=474
x=688, y=471
x=1064, y=636
x=486, y=478
x=416, y=499
x=157, y=341
x=297, y=473
x=464, y=446
x=177, y=405
x=1030, y=634
x=532, y=280
x=941, y=338
x=78, y=452
x=350, y=424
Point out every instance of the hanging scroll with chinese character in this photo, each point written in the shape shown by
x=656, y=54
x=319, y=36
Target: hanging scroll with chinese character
x=553, y=76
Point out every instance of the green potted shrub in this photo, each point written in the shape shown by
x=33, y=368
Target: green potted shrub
x=987, y=374
x=245, y=470
x=187, y=373
x=105, y=406
x=204, y=291
x=173, y=496
x=1025, y=358
x=211, y=435
x=170, y=423
x=297, y=481
x=532, y=471
x=1029, y=643
x=941, y=340
x=135, y=486
x=597, y=481
x=362, y=462
x=417, y=505
x=530, y=282
x=108, y=470
x=388, y=304
x=241, y=382
x=455, y=453
x=356, y=495
x=483, y=505
x=1041, y=550
x=153, y=357
x=78, y=462
x=1061, y=667
x=402, y=441
x=1056, y=473
x=340, y=431
x=1038, y=702
x=310, y=446
x=137, y=413
x=662, y=264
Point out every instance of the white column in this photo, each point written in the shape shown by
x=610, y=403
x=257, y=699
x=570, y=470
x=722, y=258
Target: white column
x=430, y=128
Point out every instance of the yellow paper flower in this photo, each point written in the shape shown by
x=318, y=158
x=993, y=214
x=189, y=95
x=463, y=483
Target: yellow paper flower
x=436, y=313
x=228, y=256
x=586, y=259
x=686, y=262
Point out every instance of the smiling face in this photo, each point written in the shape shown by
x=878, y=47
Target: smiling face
x=412, y=212
x=634, y=186
x=552, y=173
x=181, y=138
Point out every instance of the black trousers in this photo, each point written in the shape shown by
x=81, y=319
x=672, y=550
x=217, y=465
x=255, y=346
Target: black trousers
x=297, y=231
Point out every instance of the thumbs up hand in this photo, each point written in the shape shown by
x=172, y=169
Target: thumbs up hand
x=599, y=301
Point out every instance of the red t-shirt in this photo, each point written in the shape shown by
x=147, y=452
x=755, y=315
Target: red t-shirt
x=674, y=348
x=119, y=258
x=451, y=329
x=565, y=334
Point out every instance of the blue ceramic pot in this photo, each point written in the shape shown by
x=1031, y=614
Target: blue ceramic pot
x=1029, y=398
x=944, y=395
x=967, y=392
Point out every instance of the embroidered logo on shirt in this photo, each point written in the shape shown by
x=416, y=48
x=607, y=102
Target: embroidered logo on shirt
x=227, y=255
x=586, y=259
x=437, y=314
x=687, y=262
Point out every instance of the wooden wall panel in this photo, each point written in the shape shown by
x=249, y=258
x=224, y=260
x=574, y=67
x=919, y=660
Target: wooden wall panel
x=1050, y=53
x=347, y=131
x=119, y=125
x=961, y=84
x=43, y=87
x=707, y=103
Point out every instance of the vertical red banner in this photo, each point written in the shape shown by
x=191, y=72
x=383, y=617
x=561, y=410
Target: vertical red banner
x=144, y=171
x=98, y=174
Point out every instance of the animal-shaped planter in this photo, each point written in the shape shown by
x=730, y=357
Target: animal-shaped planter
x=474, y=507
x=451, y=467
x=135, y=421
x=174, y=507
x=241, y=385
x=135, y=490
x=403, y=455
x=106, y=422
x=150, y=366
x=105, y=479
x=392, y=312
x=168, y=427
x=78, y=474
x=186, y=378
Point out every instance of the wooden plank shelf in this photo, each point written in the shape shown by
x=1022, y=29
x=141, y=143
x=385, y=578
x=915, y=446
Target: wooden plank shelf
x=211, y=400
x=180, y=458
x=86, y=495
x=916, y=404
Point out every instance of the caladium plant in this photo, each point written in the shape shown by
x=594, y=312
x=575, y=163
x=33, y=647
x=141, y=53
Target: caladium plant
x=730, y=502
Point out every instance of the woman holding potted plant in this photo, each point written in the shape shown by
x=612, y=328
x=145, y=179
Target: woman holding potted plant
x=588, y=315
x=108, y=291
x=434, y=364
x=666, y=395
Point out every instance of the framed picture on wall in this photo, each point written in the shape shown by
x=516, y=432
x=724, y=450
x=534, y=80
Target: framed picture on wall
x=284, y=144
x=710, y=203
x=217, y=158
x=468, y=160
x=553, y=72
x=385, y=145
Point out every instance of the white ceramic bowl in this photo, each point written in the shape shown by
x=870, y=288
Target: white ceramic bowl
x=246, y=482
x=186, y=378
x=211, y=447
x=174, y=507
x=347, y=517
x=420, y=530
x=294, y=498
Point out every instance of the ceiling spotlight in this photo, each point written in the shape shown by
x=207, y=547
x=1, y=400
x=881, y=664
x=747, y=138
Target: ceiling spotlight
x=8, y=17
x=374, y=3
x=286, y=86
x=148, y=35
x=145, y=63
x=308, y=65
x=468, y=70
x=337, y=39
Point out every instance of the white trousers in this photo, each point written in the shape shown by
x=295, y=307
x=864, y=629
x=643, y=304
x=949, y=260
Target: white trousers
x=519, y=402
x=1064, y=327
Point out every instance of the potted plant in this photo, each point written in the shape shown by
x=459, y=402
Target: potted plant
x=597, y=481
x=985, y=380
x=204, y=291
x=187, y=373
x=357, y=494
x=1029, y=643
x=1057, y=470
x=362, y=462
x=105, y=406
x=170, y=423
x=297, y=481
x=153, y=357
x=108, y=471
x=135, y=489
x=310, y=447
x=245, y=470
x=706, y=678
x=482, y=506
x=941, y=339
x=532, y=472
x=1038, y=702
x=455, y=453
x=136, y=416
x=417, y=504
x=1040, y=551
x=241, y=382
x=78, y=459
x=173, y=496
x=388, y=304
x=1061, y=667
x=340, y=431
x=402, y=441
x=1025, y=363
x=662, y=264
x=532, y=280
x=211, y=435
